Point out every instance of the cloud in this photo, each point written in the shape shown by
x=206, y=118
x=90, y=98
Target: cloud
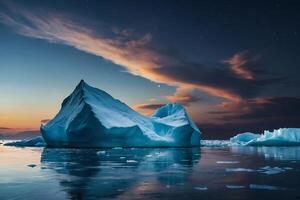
x=137, y=54
x=239, y=64
x=255, y=115
x=262, y=108
x=269, y=108
x=148, y=106
x=147, y=109
x=44, y=121
x=184, y=96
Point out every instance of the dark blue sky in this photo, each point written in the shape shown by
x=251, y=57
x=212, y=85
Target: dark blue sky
x=233, y=64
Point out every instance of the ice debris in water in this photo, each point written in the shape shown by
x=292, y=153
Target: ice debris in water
x=101, y=152
x=227, y=162
x=117, y=148
x=239, y=170
x=235, y=186
x=273, y=170
x=131, y=161
x=265, y=170
x=200, y=188
x=90, y=117
x=265, y=187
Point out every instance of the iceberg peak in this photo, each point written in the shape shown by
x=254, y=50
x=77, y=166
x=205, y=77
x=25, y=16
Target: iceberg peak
x=81, y=85
x=90, y=117
x=174, y=114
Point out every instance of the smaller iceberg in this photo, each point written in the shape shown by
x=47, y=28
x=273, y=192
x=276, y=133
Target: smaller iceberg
x=279, y=137
x=215, y=143
x=244, y=137
x=34, y=142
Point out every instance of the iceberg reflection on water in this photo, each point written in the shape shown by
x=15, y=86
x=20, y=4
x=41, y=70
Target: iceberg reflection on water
x=276, y=153
x=84, y=173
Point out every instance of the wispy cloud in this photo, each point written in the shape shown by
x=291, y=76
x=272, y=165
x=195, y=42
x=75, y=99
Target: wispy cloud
x=239, y=64
x=184, y=95
x=148, y=106
x=137, y=54
x=44, y=121
x=255, y=115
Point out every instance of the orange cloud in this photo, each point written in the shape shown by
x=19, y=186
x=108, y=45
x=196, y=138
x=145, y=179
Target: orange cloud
x=184, y=95
x=239, y=65
x=132, y=53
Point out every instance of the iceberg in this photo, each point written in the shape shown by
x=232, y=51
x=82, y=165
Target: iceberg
x=244, y=137
x=34, y=142
x=90, y=117
x=215, y=143
x=279, y=137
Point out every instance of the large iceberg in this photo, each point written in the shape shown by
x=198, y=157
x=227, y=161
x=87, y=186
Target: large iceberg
x=90, y=117
x=279, y=137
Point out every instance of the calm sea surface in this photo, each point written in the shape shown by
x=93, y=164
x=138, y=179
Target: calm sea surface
x=195, y=173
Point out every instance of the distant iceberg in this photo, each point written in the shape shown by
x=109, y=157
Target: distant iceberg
x=279, y=137
x=244, y=138
x=34, y=142
x=215, y=143
x=90, y=117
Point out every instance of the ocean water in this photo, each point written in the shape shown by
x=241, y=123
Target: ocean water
x=183, y=173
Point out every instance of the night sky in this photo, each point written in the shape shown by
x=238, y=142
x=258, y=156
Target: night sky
x=235, y=65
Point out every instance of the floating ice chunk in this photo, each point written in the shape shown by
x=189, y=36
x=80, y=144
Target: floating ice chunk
x=117, y=148
x=288, y=168
x=200, y=188
x=264, y=170
x=227, y=162
x=131, y=161
x=101, y=152
x=34, y=142
x=271, y=170
x=90, y=117
x=235, y=186
x=240, y=170
x=265, y=187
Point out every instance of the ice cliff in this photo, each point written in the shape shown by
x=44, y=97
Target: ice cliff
x=90, y=117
